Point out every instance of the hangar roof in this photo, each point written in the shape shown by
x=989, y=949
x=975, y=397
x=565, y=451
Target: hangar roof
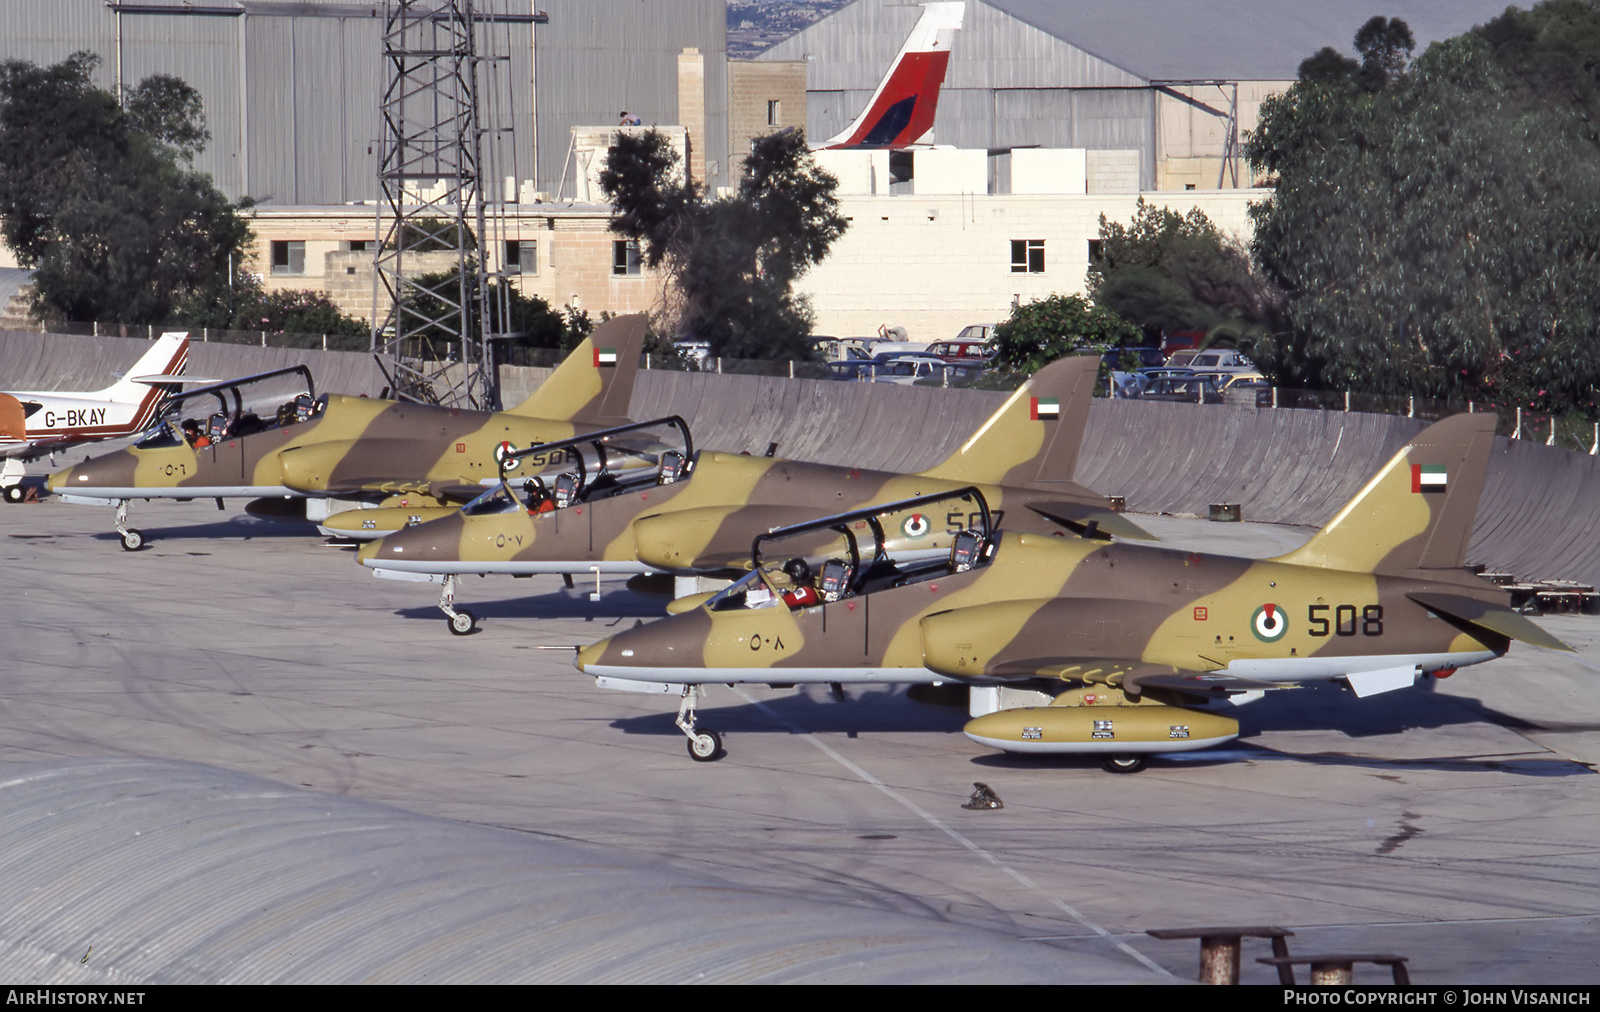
x=1238, y=40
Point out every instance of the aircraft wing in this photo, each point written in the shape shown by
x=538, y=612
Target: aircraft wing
x=1496, y=618
x=1091, y=521
x=1132, y=675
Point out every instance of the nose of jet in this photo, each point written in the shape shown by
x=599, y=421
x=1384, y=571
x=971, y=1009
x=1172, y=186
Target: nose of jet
x=113, y=470
x=413, y=547
x=591, y=654
x=310, y=468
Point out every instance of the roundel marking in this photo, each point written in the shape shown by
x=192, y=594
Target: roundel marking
x=1269, y=623
x=502, y=455
x=916, y=525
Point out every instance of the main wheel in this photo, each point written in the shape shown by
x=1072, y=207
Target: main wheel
x=463, y=622
x=1122, y=763
x=706, y=746
x=15, y=493
x=132, y=540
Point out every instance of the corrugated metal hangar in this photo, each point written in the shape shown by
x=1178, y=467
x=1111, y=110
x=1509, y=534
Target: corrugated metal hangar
x=1087, y=74
x=291, y=90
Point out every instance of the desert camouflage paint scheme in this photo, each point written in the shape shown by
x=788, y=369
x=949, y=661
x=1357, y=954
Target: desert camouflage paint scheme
x=365, y=449
x=1130, y=639
x=1022, y=458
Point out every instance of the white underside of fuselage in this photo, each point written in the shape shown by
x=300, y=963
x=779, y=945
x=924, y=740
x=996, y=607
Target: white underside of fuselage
x=102, y=494
x=1289, y=671
x=447, y=567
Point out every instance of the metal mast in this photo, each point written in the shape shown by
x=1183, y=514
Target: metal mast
x=432, y=339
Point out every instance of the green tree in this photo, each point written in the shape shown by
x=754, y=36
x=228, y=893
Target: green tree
x=97, y=198
x=1166, y=272
x=528, y=320
x=248, y=306
x=1038, y=333
x=1436, y=223
x=733, y=261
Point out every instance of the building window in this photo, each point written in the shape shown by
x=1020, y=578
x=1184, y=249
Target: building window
x=522, y=256
x=1096, y=251
x=359, y=245
x=774, y=112
x=625, y=257
x=1027, y=256
x=288, y=256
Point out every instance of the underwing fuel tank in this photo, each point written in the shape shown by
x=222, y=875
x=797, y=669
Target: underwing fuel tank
x=1125, y=729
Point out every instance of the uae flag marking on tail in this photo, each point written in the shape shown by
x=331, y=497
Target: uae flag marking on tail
x=605, y=356
x=1043, y=408
x=1427, y=477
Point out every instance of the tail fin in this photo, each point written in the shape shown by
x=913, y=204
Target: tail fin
x=13, y=420
x=901, y=111
x=1417, y=512
x=161, y=366
x=1034, y=439
x=595, y=382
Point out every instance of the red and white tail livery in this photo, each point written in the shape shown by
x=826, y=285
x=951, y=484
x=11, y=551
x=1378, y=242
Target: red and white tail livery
x=900, y=114
x=54, y=419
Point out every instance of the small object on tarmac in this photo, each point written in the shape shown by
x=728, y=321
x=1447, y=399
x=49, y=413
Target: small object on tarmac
x=983, y=797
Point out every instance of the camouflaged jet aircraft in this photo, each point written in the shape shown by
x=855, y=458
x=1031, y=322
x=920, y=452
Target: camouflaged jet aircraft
x=1132, y=647
x=52, y=420
x=697, y=519
x=344, y=450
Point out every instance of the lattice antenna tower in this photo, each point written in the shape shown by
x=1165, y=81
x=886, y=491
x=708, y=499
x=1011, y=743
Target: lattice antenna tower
x=432, y=340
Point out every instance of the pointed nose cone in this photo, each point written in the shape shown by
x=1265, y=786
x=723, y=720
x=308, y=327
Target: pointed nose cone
x=113, y=470
x=591, y=654
x=433, y=547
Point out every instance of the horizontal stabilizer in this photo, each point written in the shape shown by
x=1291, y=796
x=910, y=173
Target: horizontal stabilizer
x=169, y=377
x=1090, y=522
x=1493, y=617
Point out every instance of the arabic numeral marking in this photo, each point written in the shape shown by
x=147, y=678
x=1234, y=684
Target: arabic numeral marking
x=1372, y=620
x=1316, y=616
x=1347, y=620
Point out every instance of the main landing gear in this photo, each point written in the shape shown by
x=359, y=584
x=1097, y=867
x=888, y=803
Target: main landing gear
x=461, y=620
x=1122, y=763
x=132, y=539
x=15, y=493
x=705, y=745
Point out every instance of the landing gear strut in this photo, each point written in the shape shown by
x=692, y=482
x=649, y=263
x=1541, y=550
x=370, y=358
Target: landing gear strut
x=132, y=540
x=461, y=620
x=705, y=745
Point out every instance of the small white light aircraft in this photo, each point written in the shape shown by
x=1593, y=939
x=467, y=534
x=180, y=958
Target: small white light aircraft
x=34, y=423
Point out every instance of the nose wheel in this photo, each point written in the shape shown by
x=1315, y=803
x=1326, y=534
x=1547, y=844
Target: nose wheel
x=132, y=539
x=705, y=745
x=461, y=620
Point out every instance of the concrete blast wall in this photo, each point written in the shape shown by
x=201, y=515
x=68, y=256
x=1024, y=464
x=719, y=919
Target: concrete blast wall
x=1538, y=517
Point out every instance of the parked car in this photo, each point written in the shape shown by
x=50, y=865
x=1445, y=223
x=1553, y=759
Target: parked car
x=961, y=352
x=1243, y=387
x=922, y=369
x=1141, y=359
x=1191, y=388
x=1212, y=360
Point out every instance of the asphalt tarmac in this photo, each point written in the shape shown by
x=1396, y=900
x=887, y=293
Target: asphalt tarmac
x=1454, y=827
